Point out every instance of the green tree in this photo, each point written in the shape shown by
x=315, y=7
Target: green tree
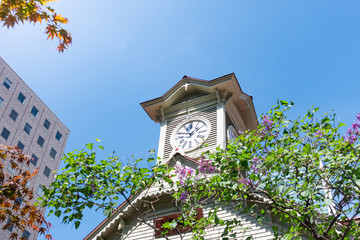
x=16, y=209
x=302, y=172
x=86, y=182
x=13, y=12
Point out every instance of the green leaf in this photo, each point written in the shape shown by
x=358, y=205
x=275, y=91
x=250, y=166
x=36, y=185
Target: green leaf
x=58, y=213
x=216, y=219
x=284, y=103
x=144, y=170
x=173, y=224
x=307, y=148
x=357, y=181
x=77, y=224
x=89, y=146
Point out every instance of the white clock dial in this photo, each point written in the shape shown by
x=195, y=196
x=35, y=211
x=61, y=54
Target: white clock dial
x=191, y=134
x=231, y=133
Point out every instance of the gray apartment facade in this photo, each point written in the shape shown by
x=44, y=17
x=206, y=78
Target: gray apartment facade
x=25, y=121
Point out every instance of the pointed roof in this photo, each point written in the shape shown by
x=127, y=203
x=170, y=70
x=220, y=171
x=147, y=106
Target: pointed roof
x=228, y=82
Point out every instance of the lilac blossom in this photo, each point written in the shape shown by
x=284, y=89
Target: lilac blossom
x=183, y=196
x=267, y=123
x=183, y=173
x=206, y=166
x=319, y=134
x=245, y=181
x=255, y=162
x=353, y=132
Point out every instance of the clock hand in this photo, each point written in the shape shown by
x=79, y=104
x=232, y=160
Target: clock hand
x=189, y=127
x=196, y=129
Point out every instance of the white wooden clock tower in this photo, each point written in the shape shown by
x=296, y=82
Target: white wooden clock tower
x=197, y=115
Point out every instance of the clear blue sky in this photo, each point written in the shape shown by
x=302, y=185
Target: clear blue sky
x=127, y=52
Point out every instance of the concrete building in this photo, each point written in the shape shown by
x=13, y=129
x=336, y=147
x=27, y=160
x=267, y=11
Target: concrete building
x=25, y=121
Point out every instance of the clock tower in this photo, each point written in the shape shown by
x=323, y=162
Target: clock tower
x=195, y=116
x=198, y=115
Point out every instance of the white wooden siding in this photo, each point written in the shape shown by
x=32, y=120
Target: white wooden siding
x=140, y=231
x=208, y=113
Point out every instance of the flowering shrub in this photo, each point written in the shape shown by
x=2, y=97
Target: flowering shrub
x=294, y=169
x=183, y=173
x=206, y=166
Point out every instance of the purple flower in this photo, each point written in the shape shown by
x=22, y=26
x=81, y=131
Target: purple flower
x=183, y=173
x=245, y=181
x=319, y=134
x=254, y=166
x=267, y=122
x=206, y=166
x=268, y=125
x=183, y=196
x=353, y=132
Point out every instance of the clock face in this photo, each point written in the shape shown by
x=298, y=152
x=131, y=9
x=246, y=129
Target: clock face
x=231, y=133
x=191, y=135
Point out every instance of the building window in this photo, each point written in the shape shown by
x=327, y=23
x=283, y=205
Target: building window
x=12, y=170
x=47, y=171
x=34, y=111
x=19, y=201
x=25, y=235
x=53, y=153
x=46, y=124
x=40, y=191
x=1, y=101
x=7, y=83
x=5, y=133
x=58, y=136
x=160, y=221
x=10, y=226
x=21, y=97
x=40, y=141
x=34, y=159
x=13, y=115
x=27, y=128
x=21, y=146
x=28, y=183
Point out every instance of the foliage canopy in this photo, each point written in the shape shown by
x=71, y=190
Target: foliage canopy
x=13, y=12
x=16, y=209
x=302, y=173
